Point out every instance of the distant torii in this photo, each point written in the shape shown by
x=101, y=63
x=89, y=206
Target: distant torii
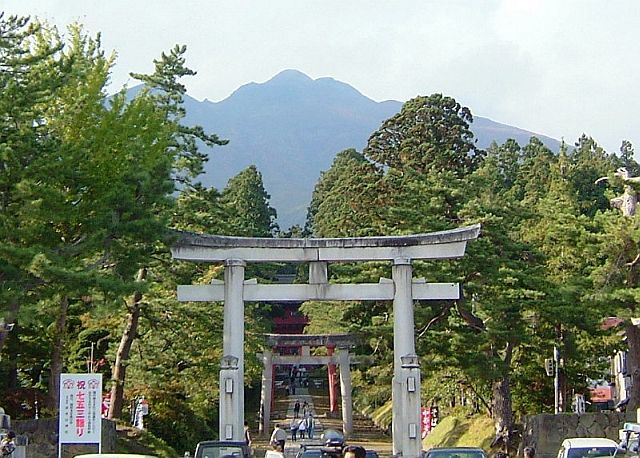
x=628, y=201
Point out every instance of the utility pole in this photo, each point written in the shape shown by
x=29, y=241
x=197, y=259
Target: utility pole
x=556, y=379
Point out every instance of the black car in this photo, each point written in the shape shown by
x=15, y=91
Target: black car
x=318, y=451
x=310, y=453
x=332, y=438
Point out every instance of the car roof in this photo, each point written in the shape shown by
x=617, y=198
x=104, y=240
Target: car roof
x=113, y=455
x=586, y=442
x=273, y=454
x=223, y=443
x=455, y=450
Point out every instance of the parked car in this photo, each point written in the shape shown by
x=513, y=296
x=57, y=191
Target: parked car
x=222, y=449
x=332, y=438
x=455, y=452
x=273, y=454
x=310, y=453
x=318, y=451
x=587, y=447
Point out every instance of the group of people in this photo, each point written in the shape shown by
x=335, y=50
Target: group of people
x=302, y=428
x=296, y=408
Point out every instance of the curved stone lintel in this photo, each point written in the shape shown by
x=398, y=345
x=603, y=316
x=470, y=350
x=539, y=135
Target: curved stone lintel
x=216, y=248
x=189, y=239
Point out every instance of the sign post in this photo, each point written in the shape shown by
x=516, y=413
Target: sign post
x=79, y=419
x=425, y=421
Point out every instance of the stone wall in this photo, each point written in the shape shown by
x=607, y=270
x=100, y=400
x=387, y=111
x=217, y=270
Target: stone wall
x=42, y=436
x=546, y=432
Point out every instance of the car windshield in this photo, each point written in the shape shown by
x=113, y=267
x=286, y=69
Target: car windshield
x=310, y=454
x=456, y=454
x=314, y=453
x=332, y=434
x=221, y=452
x=590, y=452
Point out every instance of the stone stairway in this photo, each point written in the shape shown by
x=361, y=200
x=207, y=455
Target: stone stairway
x=365, y=432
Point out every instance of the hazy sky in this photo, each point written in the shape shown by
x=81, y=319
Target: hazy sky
x=556, y=67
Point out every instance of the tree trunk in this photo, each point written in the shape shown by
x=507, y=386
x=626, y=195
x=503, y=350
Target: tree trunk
x=563, y=400
x=9, y=319
x=122, y=356
x=633, y=364
x=502, y=406
x=57, y=355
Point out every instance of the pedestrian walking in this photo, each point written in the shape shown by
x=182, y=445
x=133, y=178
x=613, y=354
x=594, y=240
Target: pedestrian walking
x=302, y=428
x=305, y=408
x=278, y=437
x=247, y=434
x=529, y=452
x=296, y=409
x=294, y=429
x=310, y=426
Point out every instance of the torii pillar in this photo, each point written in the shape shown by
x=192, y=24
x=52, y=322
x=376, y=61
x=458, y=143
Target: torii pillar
x=267, y=391
x=331, y=377
x=406, y=380
x=345, y=392
x=231, y=421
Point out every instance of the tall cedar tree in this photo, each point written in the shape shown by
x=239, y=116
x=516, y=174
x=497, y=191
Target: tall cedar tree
x=345, y=201
x=248, y=204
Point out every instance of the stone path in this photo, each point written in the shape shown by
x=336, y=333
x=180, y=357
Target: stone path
x=366, y=434
x=302, y=395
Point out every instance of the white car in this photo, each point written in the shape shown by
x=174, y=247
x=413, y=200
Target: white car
x=587, y=447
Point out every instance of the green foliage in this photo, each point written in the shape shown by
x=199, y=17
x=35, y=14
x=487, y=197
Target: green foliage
x=164, y=86
x=344, y=198
x=430, y=134
x=248, y=204
x=588, y=162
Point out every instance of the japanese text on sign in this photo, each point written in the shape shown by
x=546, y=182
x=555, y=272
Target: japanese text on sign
x=80, y=408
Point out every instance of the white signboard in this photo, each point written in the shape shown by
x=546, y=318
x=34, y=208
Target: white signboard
x=80, y=409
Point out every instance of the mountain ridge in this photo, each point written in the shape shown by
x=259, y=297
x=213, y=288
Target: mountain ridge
x=292, y=126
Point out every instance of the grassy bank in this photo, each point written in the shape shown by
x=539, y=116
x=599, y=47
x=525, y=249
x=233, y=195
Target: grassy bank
x=453, y=431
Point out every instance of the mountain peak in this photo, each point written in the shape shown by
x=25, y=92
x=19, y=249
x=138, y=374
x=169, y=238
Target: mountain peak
x=288, y=77
x=285, y=79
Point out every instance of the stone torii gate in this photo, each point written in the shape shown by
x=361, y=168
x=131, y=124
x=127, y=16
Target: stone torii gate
x=402, y=289
x=341, y=342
